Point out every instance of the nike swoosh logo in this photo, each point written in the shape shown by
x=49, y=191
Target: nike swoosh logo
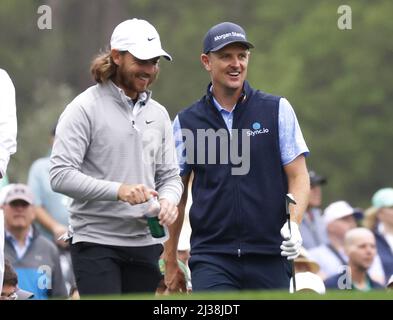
x=148, y=122
x=150, y=39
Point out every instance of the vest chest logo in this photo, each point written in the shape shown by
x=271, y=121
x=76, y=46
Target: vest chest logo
x=257, y=129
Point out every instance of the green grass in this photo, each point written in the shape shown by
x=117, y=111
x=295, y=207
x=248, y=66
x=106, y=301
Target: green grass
x=258, y=295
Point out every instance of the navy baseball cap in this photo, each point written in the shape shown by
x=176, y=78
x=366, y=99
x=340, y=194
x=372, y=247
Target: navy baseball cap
x=223, y=34
x=316, y=179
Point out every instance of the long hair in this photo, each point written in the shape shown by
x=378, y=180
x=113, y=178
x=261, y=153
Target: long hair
x=103, y=67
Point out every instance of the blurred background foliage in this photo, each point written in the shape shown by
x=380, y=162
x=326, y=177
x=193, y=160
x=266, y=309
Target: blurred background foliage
x=338, y=81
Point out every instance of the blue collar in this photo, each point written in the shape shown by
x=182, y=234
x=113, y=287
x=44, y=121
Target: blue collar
x=245, y=94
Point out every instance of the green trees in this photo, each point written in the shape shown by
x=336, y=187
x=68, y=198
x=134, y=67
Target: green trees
x=339, y=81
x=340, y=85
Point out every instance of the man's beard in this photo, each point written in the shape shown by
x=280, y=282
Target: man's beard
x=127, y=80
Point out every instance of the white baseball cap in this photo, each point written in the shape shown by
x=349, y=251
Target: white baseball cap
x=139, y=38
x=338, y=210
x=308, y=281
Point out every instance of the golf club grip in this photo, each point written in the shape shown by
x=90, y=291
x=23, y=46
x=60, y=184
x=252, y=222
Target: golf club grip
x=293, y=275
x=292, y=261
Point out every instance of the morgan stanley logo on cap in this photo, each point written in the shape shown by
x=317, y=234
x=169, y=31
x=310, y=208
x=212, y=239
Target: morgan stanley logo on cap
x=139, y=38
x=223, y=34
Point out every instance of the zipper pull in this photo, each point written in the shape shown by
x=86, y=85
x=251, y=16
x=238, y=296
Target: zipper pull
x=134, y=126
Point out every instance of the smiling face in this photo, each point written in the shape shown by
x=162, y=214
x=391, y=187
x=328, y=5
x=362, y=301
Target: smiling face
x=18, y=215
x=133, y=75
x=227, y=67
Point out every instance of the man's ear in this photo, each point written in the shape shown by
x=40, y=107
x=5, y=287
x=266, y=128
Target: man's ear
x=115, y=54
x=205, y=59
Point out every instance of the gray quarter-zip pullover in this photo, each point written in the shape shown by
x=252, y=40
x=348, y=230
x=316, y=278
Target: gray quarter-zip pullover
x=101, y=144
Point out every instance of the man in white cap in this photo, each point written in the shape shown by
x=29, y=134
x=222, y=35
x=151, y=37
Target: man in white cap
x=114, y=151
x=35, y=258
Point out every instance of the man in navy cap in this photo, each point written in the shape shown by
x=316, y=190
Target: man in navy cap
x=246, y=151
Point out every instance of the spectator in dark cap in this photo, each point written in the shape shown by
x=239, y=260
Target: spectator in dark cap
x=316, y=179
x=313, y=229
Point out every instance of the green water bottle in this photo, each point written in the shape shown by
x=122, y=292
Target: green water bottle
x=156, y=229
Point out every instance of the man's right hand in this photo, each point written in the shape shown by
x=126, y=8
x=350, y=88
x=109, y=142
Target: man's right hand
x=292, y=243
x=135, y=193
x=57, y=231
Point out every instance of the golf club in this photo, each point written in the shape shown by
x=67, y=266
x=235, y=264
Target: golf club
x=289, y=199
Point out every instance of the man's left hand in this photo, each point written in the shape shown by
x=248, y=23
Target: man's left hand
x=292, y=243
x=168, y=212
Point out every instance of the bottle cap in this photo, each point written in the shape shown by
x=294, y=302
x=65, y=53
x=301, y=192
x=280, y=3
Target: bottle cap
x=153, y=208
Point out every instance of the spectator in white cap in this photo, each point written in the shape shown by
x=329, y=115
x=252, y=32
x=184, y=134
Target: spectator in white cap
x=113, y=152
x=35, y=258
x=379, y=219
x=339, y=217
